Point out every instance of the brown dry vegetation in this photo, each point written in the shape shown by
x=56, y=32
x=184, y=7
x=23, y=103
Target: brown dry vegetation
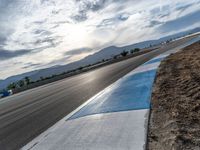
x=175, y=115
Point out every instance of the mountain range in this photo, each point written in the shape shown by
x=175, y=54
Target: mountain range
x=105, y=53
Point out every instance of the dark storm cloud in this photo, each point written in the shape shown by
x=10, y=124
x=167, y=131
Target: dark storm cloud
x=78, y=51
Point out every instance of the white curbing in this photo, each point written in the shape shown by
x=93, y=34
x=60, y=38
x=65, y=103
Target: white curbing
x=110, y=131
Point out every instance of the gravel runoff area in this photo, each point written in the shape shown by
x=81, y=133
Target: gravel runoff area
x=174, y=122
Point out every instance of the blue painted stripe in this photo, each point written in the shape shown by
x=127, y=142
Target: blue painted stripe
x=154, y=60
x=132, y=93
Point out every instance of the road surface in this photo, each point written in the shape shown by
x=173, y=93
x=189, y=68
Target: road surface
x=25, y=115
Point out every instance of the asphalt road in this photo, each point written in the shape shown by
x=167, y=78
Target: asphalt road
x=25, y=115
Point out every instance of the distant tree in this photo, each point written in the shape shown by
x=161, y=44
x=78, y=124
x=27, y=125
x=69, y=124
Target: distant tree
x=80, y=68
x=21, y=83
x=74, y=70
x=115, y=57
x=11, y=86
x=31, y=82
x=41, y=78
x=27, y=80
x=135, y=50
x=54, y=75
x=47, y=78
x=124, y=53
x=132, y=51
x=63, y=73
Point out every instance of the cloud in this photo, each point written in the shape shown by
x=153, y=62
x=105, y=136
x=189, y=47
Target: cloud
x=183, y=7
x=42, y=32
x=39, y=22
x=180, y=23
x=7, y=54
x=31, y=65
x=48, y=2
x=5, y=4
x=51, y=41
x=80, y=16
x=85, y=6
x=154, y=23
x=3, y=40
x=123, y=16
x=5, y=33
x=110, y=22
x=61, y=22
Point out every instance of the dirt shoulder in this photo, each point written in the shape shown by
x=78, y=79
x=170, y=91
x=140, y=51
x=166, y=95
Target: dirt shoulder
x=175, y=113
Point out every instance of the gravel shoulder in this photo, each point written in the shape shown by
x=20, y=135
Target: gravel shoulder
x=175, y=110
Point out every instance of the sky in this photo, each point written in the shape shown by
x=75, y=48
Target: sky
x=36, y=34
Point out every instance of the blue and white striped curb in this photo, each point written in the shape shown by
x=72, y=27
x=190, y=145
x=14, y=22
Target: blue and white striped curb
x=131, y=92
x=114, y=119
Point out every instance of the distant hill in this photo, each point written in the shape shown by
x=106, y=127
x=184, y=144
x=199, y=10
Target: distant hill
x=105, y=53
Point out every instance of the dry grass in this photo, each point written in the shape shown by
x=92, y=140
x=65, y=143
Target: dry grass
x=175, y=115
